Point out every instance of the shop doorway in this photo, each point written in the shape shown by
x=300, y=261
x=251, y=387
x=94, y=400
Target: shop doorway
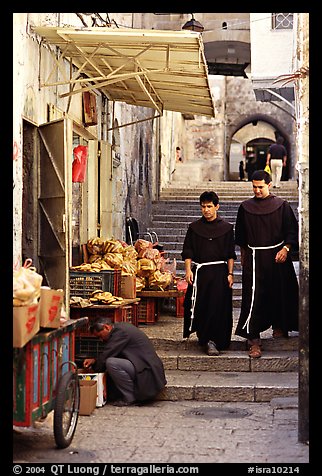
x=29, y=193
x=45, y=198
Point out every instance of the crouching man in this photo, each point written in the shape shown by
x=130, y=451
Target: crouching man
x=130, y=361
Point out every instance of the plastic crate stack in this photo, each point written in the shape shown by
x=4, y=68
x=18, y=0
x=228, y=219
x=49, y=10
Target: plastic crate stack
x=90, y=346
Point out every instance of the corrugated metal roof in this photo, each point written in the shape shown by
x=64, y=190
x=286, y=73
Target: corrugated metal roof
x=160, y=69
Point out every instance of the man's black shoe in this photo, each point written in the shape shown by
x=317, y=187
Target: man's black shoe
x=211, y=348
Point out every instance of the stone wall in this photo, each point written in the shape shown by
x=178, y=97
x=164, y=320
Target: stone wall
x=242, y=109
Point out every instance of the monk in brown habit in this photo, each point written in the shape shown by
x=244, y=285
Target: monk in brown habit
x=266, y=231
x=209, y=254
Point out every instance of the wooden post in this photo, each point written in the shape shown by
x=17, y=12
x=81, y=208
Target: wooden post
x=302, y=98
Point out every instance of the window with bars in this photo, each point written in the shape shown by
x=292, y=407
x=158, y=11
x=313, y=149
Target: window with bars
x=282, y=21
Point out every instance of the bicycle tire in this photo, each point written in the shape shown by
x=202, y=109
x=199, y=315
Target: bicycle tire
x=66, y=409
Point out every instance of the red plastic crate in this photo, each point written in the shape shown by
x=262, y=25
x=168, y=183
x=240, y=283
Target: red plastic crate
x=94, y=313
x=87, y=347
x=179, y=306
x=147, y=311
x=130, y=314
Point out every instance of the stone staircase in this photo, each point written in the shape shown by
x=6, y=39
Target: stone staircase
x=235, y=191
x=232, y=376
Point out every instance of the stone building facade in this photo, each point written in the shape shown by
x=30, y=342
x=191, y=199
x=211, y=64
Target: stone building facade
x=139, y=159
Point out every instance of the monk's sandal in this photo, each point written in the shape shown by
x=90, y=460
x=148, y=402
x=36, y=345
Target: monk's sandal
x=255, y=351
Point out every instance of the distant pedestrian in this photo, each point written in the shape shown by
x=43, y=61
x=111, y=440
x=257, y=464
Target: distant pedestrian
x=178, y=158
x=209, y=254
x=266, y=230
x=241, y=170
x=276, y=159
x=128, y=357
x=178, y=155
x=250, y=166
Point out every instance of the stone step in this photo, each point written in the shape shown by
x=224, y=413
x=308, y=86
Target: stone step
x=165, y=343
x=227, y=197
x=160, y=221
x=169, y=217
x=229, y=361
x=191, y=213
x=222, y=186
x=176, y=254
x=170, y=231
x=232, y=210
x=225, y=184
x=237, y=276
x=235, y=187
x=181, y=203
x=230, y=377
x=232, y=191
x=166, y=334
x=191, y=205
x=174, y=205
x=228, y=386
x=176, y=246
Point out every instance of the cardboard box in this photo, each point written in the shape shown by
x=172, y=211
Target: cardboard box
x=88, y=392
x=101, y=384
x=128, y=286
x=50, y=304
x=25, y=323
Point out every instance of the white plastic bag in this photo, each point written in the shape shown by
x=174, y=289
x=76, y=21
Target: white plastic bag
x=26, y=285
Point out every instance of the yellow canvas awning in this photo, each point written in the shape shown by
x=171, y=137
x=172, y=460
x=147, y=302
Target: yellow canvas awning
x=160, y=69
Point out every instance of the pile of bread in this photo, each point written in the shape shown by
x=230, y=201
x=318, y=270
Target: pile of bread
x=97, y=297
x=142, y=260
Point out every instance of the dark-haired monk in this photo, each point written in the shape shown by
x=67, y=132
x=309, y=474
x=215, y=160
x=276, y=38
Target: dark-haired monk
x=209, y=253
x=266, y=230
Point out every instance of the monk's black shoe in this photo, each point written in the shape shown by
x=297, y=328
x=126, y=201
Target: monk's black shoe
x=211, y=348
x=123, y=403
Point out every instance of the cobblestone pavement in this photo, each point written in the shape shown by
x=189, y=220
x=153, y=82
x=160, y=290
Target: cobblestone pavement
x=173, y=432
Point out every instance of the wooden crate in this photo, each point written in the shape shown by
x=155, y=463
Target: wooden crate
x=147, y=311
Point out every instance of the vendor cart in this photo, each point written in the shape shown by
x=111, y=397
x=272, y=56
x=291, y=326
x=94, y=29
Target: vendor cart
x=45, y=378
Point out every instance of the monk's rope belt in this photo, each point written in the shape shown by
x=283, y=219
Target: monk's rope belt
x=254, y=248
x=194, y=287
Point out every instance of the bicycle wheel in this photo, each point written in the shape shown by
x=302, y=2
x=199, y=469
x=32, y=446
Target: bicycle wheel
x=66, y=409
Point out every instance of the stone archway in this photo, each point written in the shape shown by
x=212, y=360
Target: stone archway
x=258, y=130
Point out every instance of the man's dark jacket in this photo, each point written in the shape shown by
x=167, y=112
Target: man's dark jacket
x=128, y=342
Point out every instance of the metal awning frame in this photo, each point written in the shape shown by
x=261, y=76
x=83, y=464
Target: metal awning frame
x=102, y=81
x=99, y=80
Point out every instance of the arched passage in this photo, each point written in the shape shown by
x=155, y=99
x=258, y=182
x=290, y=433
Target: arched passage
x=251, y=139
